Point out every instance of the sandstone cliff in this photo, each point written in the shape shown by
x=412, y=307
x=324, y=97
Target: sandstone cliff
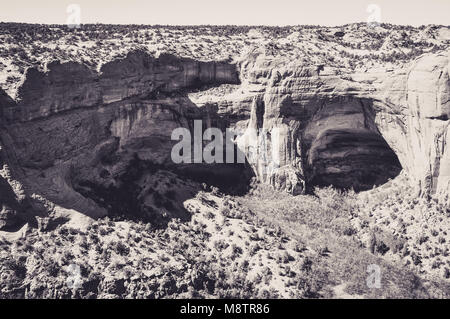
x=333, y=128
x=91, y=141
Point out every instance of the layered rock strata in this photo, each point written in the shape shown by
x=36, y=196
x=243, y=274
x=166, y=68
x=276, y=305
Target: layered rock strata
x=89, y=140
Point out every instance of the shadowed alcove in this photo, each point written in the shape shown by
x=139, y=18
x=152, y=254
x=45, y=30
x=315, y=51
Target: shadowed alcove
x=345, y=149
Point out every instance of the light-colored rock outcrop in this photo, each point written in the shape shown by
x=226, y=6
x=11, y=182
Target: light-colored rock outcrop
x=335, y=127
x=414, y=119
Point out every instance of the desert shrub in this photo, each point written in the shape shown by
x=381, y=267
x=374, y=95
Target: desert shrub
x=349, y=231
x=310, y=279
x=236, y=251
x=221, y=245
x=381, y=247
x=416, y=259
x=121, y=249
x=17, y=265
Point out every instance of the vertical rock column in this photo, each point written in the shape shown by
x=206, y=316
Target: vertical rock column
x=428, y=127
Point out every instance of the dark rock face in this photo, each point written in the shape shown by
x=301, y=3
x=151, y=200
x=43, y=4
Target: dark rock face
x=9, y=207
x=355, y=159
x=344, y=147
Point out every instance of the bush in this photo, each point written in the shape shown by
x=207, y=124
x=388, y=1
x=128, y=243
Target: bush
x=121, y=249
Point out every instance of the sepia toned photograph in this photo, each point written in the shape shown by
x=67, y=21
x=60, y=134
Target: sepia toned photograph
x=246, y=152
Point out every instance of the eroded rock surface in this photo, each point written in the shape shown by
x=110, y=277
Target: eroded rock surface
x=88, y=141
x=355, y=129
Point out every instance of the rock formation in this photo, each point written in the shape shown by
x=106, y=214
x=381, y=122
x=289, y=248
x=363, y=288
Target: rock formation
x=355, y=130
x=89, y=140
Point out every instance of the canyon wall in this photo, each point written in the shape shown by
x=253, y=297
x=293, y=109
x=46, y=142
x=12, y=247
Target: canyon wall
x=91, y=141
x=353, y=129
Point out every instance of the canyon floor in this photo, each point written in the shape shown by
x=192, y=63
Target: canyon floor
x=265, y=244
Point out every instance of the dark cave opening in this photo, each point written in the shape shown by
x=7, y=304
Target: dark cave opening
x=232, y=174
x=351, y=159
x=156, y=193
x=230, y=179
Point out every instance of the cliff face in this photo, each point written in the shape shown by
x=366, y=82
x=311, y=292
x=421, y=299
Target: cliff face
x=71, y=85
x=92, y=141
x=353, y=130
x=414, y=119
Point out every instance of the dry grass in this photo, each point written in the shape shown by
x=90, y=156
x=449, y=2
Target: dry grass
x=325, y=223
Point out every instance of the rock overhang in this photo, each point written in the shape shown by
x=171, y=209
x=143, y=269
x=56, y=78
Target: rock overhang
x=121, y=116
